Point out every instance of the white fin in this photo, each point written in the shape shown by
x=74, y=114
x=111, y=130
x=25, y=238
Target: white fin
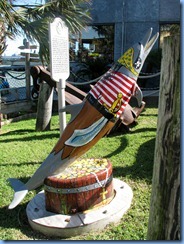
x=20, y=192
x=83, y=136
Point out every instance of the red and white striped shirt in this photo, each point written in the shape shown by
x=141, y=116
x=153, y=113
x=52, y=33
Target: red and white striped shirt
x=110, y=85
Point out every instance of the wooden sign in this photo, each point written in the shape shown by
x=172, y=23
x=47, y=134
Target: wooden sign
x=31, y=54
x=31, y=47
x=59, y=50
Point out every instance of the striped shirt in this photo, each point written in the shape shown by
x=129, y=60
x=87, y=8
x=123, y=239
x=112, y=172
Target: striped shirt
x=106, y=91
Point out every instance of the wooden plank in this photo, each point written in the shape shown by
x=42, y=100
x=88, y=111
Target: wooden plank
x=31, y=59
x=71, y=99
x=31, y=47
x=34, y=59
x=75, y=91
x=16, y=106
x=31, y=54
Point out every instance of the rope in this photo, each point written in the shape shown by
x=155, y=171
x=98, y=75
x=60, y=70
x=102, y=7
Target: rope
x=15, y=71
x=142, y=73
x=150, y=88
x=83, y=83
x=17, y=78
x=151, y=93
x=151, y=75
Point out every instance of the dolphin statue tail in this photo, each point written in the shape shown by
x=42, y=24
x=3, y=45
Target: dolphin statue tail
x=20, y=192
x=51, y=166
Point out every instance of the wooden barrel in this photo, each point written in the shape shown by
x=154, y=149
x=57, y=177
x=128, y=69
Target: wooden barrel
x=85, y=184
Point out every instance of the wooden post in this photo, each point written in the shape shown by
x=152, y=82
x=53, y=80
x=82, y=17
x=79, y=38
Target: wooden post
x=44, y=108
x=27, y=69
x=164, y=218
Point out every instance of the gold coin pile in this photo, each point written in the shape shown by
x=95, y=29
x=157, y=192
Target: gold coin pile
x=83, y=167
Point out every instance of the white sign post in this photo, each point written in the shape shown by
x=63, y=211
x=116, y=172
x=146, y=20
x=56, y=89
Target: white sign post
x=59, y=57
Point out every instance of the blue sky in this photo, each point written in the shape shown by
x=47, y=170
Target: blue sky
x=13, y=46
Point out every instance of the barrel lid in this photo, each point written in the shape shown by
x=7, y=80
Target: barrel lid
x=84, y=167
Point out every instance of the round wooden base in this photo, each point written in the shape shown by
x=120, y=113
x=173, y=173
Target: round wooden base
x=65, y=226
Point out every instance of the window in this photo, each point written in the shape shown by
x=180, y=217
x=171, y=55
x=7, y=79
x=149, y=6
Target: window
x=91, y=52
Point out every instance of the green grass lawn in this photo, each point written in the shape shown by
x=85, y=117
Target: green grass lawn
x=22, y=150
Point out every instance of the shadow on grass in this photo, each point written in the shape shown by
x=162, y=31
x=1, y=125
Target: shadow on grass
x=17, y=219
x=17, y=132
x=142, y=130
x=21, y=164
x=143, y=166
x=123, y=145
x=25, y=131
x=30, y=138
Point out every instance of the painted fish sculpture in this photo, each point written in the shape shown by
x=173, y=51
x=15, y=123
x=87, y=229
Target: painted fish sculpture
x=94, y=117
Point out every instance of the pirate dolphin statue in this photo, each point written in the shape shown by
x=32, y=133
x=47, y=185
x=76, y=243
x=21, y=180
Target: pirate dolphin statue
x=94, y=117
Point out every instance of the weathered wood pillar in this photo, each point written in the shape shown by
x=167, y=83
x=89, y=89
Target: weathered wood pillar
x=164, y=218
x=44, y=108
x=27, y=69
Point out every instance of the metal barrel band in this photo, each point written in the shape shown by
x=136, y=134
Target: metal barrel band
x=77, y=190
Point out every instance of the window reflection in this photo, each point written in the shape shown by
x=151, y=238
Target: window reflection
x=91, y=53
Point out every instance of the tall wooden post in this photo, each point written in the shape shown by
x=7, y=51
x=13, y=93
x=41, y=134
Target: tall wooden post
x=164, y=218
x=27, y=69
x=44, y=110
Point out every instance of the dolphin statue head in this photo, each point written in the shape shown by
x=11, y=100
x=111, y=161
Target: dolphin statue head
x=131, y=62
x=133, y=59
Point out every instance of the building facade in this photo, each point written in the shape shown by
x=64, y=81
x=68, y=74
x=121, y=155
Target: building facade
x=132, y=18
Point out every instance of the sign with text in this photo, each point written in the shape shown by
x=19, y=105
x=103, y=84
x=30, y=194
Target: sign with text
x=59, y=50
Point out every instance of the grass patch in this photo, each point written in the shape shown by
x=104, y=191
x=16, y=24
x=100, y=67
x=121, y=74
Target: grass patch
x=23, y=150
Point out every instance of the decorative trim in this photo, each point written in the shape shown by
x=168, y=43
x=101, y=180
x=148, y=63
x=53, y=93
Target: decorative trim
x=77, y=190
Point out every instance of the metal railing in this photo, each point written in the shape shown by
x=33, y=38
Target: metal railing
x=12, y=86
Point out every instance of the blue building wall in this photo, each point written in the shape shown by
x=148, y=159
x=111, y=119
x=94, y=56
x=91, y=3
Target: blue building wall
x=132, y=18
